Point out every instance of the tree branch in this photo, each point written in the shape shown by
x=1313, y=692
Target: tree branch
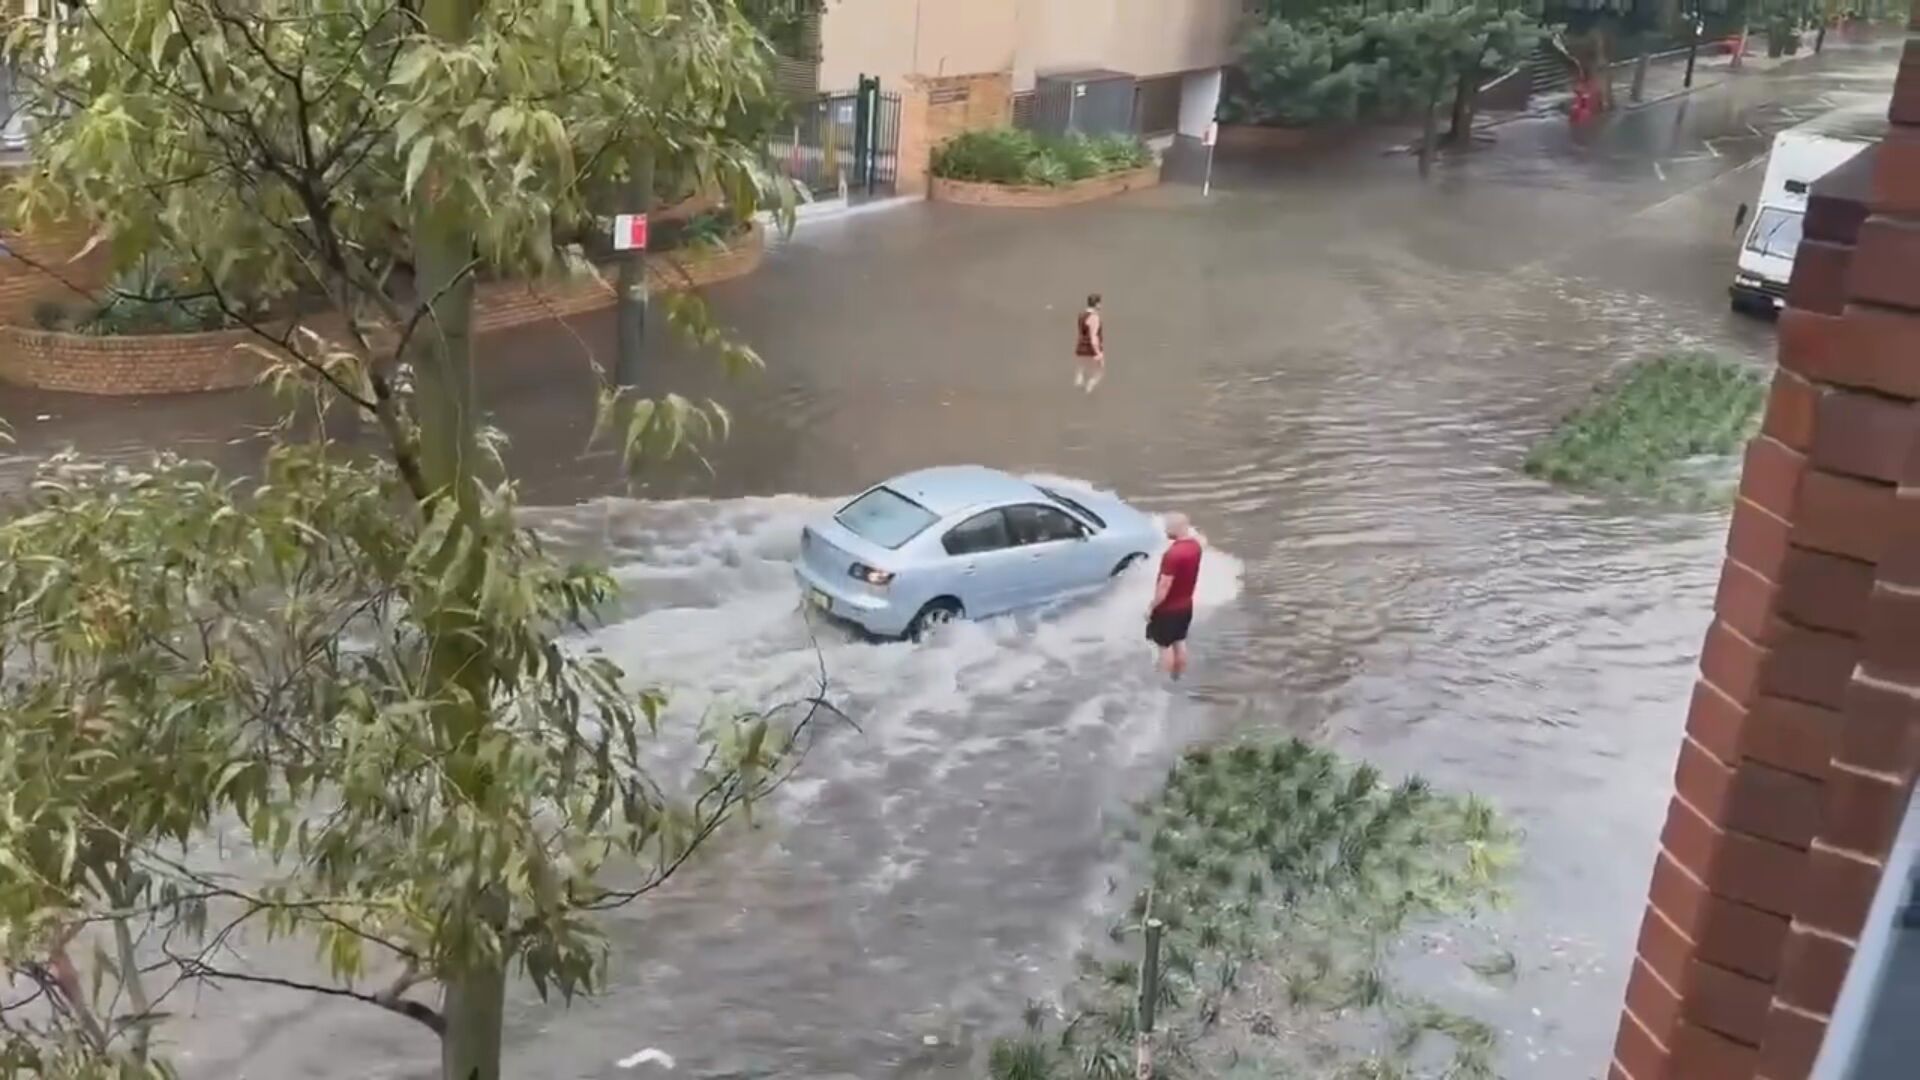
x=401, y=1006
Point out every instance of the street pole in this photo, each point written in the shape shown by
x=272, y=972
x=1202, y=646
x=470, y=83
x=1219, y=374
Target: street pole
x=1213, y=140
x=631, y=285
x=1693, y=45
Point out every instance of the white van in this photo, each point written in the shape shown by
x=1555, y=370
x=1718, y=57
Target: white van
x=1800, y=156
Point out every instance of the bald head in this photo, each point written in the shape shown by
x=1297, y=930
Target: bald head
x=1178, y=527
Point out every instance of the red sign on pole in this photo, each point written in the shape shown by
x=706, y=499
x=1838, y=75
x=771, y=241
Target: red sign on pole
x=630, y=232
x=1213, y=134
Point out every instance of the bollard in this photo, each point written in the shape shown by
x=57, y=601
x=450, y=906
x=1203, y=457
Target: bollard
x=1149, y=999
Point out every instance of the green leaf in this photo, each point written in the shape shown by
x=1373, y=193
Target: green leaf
x=417, y=159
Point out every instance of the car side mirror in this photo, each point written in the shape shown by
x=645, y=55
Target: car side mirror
x=1739, y=217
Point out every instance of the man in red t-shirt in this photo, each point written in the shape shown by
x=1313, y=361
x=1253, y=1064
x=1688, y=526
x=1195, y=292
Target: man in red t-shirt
x=1172, y=610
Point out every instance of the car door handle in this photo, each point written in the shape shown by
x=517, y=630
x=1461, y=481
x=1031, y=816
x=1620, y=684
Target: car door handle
x=968, y=569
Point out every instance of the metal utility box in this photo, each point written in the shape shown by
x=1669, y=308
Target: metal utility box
x=1087, y=102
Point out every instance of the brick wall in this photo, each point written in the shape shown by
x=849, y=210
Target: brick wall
x=933, y=109
x=1801, y=742
x=185, y=363
x=146, y=364
x=23, y=282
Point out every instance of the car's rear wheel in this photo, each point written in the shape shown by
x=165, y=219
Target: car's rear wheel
x=1129, y=563
x=936, y=614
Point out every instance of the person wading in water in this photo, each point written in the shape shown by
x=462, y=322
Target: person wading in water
x=1090, y=347
x=1171, y=613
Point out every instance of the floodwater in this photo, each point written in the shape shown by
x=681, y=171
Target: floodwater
x=1335, y=369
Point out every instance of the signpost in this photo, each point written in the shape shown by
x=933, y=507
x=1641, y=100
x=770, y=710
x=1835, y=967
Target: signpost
x=630, y=232
x=1209, y=140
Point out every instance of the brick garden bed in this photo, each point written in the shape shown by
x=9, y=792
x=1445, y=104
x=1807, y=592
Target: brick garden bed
x=1035, y=196
x=141, y=364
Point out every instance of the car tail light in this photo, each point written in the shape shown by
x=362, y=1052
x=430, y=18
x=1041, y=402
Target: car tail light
x=869, y=575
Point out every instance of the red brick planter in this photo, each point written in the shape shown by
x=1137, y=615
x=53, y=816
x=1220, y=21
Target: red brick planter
x=140, y=364
x=126, y=364
x=1033, y=196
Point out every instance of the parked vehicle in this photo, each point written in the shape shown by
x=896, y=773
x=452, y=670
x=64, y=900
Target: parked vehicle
x=1800, y=155
x=964, y=542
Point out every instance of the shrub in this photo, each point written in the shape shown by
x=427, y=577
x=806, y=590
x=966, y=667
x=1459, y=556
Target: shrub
x=1014, y=156
x=1046, y=169
x=150, y=299
x=707, y=229
x=1079, y=157
x=999, y=156
x=1643, y=432
x=1345, y=63
x=51, y=315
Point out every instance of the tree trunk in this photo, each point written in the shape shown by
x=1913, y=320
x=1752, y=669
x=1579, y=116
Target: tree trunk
x=474, y=1006
x=1464, y=96
x=1602, y=69
x=1429, y=126
x=442, y=350
x=442, y=346
x=632, y=283
x=445, y=403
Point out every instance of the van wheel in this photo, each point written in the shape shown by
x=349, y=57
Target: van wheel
x=1129, y=563
x=936, y=614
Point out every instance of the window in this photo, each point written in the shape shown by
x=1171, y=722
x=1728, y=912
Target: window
x=981, y=532
x=885, y=517
x=1041, y=525
x=1075, y=506
x=1775, y=232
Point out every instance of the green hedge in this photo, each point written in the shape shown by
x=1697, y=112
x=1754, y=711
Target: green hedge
x=1013, y=156
x=1641, y=433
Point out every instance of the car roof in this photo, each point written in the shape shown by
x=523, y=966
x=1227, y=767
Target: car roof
x=949, y=489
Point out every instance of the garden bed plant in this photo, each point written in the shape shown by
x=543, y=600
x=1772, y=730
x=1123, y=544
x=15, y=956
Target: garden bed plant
x=1666, y=427
x=148, y=299
x=1282, y=878
x=1015, y=156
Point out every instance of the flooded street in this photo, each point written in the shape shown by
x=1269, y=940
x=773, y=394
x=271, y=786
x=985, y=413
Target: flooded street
x=1334, y=369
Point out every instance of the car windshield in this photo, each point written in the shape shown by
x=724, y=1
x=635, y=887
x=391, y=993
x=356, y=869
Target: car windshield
x=1776, y=232
x=1085, y=514
x=885, y=517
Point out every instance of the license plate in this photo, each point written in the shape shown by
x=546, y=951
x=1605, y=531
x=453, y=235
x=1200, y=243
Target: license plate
x=819, y=599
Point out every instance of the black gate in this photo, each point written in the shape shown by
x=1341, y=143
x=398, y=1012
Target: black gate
x=841, y=142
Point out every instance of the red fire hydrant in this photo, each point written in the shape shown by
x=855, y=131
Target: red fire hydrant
x=1584, y=101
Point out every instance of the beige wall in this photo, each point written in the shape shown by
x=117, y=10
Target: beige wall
x=896, y=38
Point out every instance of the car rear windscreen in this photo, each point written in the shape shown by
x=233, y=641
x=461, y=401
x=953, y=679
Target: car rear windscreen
x=885, y=517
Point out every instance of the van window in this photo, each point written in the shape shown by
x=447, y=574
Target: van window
x=885, y=517
x=1775, y=232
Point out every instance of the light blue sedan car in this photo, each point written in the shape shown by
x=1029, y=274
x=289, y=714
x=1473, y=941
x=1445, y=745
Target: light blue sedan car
x=964, y=542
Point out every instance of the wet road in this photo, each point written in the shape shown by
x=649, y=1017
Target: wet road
x=1335, y=369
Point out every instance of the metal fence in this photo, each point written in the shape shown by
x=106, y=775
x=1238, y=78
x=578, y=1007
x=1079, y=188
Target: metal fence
x=845, y=142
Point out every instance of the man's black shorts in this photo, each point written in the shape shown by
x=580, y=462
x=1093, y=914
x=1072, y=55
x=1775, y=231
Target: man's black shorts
x=1165, y=628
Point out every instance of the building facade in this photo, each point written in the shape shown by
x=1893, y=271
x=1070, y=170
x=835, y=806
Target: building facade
x=1784, y=875
x=1174, y=49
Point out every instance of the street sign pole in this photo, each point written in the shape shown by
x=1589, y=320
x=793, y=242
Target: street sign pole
x=630, y=240
x=1211, y=138
x=1693, y=44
